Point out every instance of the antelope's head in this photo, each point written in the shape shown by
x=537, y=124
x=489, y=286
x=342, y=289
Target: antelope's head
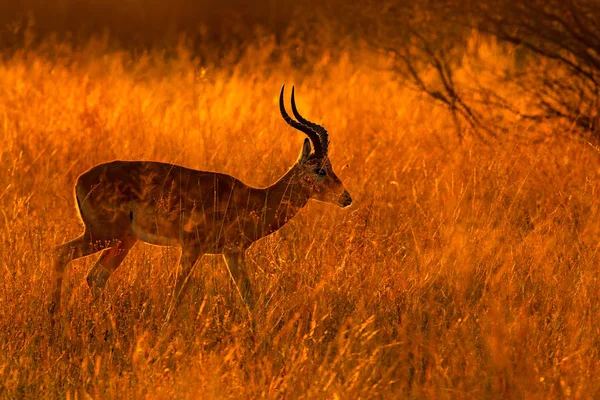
x=314, y=169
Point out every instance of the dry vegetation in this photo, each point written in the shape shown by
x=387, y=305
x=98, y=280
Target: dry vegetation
x=465, y=269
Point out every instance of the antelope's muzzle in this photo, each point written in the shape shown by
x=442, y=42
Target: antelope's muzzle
x=345, y=199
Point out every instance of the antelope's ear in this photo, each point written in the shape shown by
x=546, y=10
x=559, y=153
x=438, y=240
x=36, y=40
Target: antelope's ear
x=305, y=151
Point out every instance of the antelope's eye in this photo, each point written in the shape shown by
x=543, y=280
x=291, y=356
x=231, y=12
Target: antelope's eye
x=321, y=171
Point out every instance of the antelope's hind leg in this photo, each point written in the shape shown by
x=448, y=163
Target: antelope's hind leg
x=109, y=261
x=65, y=253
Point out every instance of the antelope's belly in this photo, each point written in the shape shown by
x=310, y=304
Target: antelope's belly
x=155, y=227
x=153, y=238
x=212, y=232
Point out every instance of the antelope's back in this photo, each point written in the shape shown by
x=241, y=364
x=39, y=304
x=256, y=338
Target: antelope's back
x=157, y=200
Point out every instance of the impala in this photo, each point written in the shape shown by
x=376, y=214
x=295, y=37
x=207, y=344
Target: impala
x=123, y=202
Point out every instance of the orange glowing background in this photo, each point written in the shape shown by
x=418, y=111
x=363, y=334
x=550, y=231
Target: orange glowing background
x=467, y=267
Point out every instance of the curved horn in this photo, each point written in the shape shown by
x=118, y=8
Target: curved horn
x=321, y=131
x=312, y=135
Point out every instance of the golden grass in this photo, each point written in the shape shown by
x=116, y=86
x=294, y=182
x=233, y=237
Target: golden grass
x=464, y=269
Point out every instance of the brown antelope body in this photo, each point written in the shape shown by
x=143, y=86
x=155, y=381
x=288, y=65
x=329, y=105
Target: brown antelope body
x=123, y=202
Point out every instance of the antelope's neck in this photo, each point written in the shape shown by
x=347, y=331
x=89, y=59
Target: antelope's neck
x=282, y=201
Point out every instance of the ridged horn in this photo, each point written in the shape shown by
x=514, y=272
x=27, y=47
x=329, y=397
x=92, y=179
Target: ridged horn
x=321, y=131
x=314, y=137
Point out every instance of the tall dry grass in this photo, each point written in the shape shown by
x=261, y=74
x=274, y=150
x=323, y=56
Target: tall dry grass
x=464, y=270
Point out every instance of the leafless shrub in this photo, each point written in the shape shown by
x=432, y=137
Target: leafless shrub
x=556, y=45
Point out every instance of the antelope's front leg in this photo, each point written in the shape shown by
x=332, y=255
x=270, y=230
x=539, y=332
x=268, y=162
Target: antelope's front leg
x=234, y=258
x=190, y=253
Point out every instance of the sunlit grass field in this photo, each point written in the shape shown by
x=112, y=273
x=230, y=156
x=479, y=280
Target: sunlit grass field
x=465, y=268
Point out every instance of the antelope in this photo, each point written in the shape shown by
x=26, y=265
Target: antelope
x=123, y=202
